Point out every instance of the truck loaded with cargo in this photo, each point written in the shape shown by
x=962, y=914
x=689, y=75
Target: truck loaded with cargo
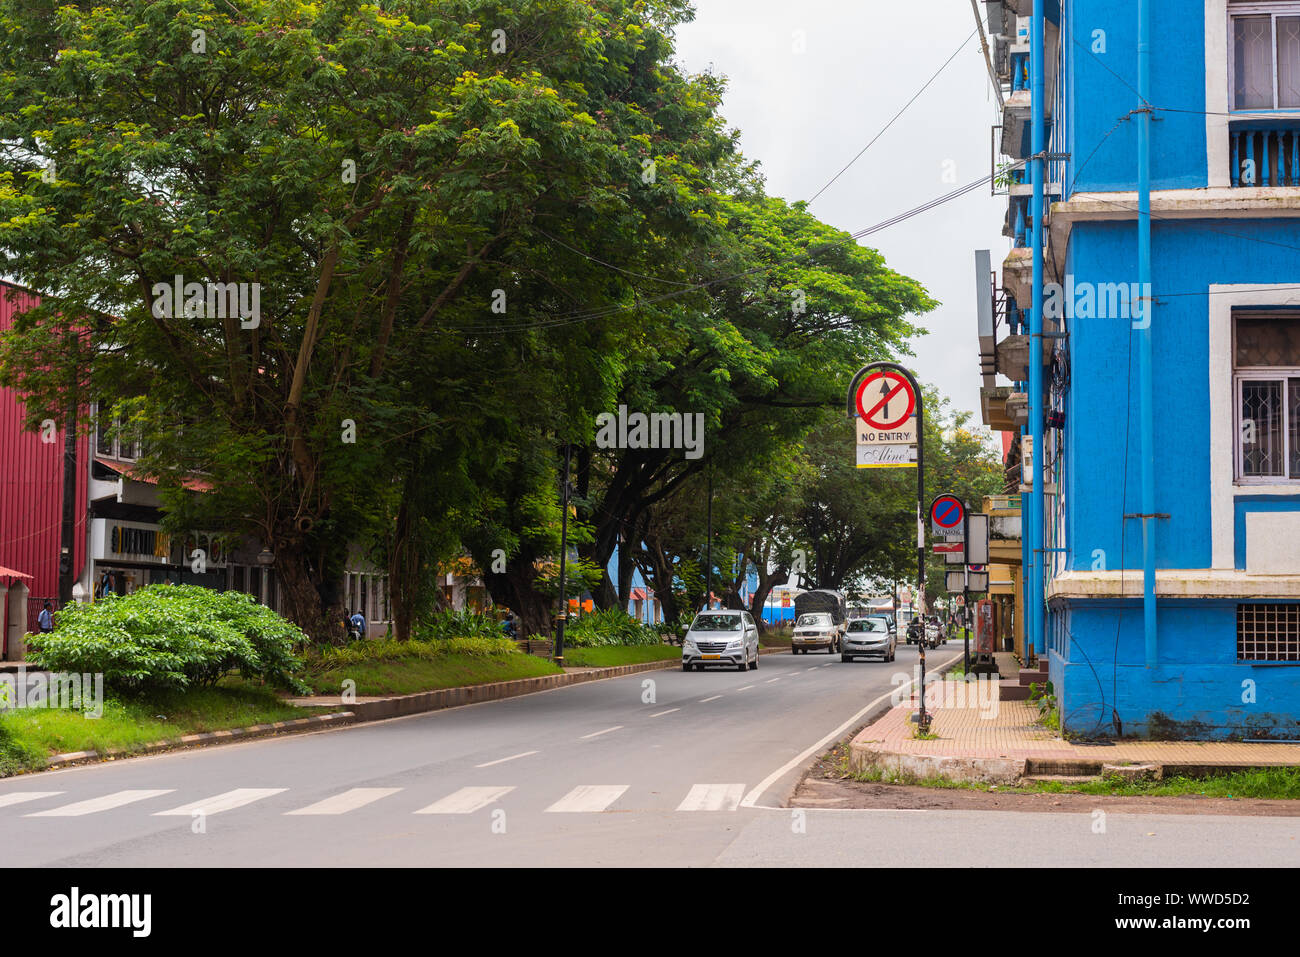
x=820, y=620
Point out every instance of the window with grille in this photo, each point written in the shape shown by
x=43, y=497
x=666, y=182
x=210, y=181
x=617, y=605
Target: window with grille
x=1268, y=632
x=1266, y=380
x=1265, y=50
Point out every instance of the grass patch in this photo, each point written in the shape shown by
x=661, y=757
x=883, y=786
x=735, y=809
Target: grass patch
x=421, y=668
x=612, y=656
x=777, y=637
x=1245, y=784
x=28, y=736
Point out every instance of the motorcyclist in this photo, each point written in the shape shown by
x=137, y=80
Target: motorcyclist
x=357, y=624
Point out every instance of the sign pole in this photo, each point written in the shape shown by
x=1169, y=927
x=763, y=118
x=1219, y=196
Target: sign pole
x=965, y=617
x=923, y=719
x=885, y=437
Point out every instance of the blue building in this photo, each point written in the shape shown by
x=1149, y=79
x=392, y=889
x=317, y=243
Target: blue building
x=1159, y=438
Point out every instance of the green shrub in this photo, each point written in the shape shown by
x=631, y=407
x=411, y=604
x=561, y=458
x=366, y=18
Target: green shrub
x=610, y=627
x=328, y=657
x=457, y=624
x=171, y=637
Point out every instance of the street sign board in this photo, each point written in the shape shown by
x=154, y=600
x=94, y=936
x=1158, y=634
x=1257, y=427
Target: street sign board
x=947, y=516
x=956, y=558
x=886, y=456
x=977, y=539
x=958, y=548
x=957, y=581
x=886, y=402
x=870, y=435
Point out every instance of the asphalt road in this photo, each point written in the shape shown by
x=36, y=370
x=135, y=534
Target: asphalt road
x=664, y=768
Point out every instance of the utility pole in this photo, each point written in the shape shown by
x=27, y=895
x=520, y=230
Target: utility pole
x=564, y=549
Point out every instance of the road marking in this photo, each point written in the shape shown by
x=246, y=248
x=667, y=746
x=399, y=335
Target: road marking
x=466, y=800
x=105, y=803
x=713, y=797
x=588, y=798
x=347, y=801
x=746, y=688
x=597, y=734
x=707, y=700
x=751, y=799
x=488, y=764
x=222, y=802
x=770, y=680
x=18, y=797
x=669, y=711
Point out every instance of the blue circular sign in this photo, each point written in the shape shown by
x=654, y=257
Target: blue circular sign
x=947, y=512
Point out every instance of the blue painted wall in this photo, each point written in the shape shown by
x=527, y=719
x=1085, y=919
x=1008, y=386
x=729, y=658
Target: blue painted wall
x=1101, y=89
x=1096, y=648
x=1197, y=690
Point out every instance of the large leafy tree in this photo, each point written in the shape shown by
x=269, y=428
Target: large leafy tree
x=377, y=175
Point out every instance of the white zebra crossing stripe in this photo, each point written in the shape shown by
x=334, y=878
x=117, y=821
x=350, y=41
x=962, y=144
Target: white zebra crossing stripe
x=19, y=797
x=221, y=802
x=466, y=800
x=105, y=803
x=588, y=798
x=347, y=801
x=713, y=797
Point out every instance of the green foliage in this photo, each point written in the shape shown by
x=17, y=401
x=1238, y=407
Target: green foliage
x=448, y=624
x=170, y=637
x=609, y=627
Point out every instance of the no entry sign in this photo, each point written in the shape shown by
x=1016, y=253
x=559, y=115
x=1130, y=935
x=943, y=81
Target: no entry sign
x=947, y=515
x=886, y=403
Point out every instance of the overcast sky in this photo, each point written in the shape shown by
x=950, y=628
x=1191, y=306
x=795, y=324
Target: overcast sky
x=804, y=115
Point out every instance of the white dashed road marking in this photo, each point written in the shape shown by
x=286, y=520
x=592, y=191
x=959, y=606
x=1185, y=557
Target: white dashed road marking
x=488, y=764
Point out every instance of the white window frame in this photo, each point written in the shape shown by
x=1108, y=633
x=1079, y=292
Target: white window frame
x=1240, y=376
x=1278, y=8
x=114, y=439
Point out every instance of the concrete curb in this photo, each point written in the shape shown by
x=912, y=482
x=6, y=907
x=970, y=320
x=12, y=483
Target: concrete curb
x=315, y=722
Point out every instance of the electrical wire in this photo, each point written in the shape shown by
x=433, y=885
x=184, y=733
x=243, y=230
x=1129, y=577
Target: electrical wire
x=575, y=317
x=896, y=116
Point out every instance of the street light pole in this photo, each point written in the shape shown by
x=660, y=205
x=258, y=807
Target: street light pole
x=708, y=547
x=564, y=549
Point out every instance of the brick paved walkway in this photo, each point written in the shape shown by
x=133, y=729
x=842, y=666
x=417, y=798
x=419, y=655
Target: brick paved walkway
x=971, y=726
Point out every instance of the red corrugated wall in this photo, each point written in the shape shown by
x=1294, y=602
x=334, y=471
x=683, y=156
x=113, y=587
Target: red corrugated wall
x=31, y=485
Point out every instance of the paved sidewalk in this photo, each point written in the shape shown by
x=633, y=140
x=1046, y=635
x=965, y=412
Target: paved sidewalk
x=978, y=738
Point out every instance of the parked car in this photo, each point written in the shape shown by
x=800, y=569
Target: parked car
x=869, y=638
x=721, y=637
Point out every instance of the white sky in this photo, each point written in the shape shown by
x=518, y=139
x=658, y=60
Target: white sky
x=803, y=116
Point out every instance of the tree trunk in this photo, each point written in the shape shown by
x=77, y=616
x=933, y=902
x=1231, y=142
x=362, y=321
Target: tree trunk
x=403, y=574
x=300, y=596
x=516, y=589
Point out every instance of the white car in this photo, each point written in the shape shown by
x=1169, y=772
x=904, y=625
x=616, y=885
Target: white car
x=815, y=630
x=721, y=637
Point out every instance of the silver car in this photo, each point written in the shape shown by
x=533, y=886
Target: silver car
x=721, y=637
x=869, y=638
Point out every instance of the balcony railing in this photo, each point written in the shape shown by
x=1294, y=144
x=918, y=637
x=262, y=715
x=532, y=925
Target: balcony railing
x=1265, y=155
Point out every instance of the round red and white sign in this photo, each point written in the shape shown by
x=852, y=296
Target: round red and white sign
x=885, y=400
